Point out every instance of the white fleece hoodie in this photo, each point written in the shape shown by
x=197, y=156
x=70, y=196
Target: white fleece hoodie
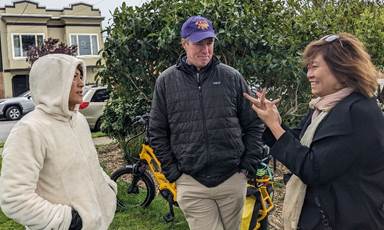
x=50, y=163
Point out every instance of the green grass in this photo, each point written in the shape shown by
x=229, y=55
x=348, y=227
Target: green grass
x=98, y=134
x=6, y=223
x=149, y=218
x=132, y=219
x=1, y=144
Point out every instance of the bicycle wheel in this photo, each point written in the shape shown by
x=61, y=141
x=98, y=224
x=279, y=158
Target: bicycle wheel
x=134, y=189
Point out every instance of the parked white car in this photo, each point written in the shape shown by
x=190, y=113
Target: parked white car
x=92, y=107
x=15, y=107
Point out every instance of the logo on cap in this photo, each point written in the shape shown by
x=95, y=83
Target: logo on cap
x=197, y=28
x=202, y=24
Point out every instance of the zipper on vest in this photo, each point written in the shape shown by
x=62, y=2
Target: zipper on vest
x=202, y=112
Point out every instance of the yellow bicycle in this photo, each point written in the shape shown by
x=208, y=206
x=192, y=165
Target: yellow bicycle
x=136, y=182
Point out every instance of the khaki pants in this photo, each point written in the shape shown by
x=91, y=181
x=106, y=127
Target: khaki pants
x=216, y=208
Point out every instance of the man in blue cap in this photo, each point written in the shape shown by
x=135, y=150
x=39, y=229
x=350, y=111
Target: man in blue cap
x=204, y=132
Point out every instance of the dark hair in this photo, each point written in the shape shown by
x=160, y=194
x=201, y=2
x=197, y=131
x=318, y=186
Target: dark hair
x=80, y=68
x=348, y=60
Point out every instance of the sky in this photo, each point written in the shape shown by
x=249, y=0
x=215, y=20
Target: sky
x=103, y=5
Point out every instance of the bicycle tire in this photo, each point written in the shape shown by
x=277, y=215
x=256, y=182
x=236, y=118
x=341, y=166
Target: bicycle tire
x=129, y=195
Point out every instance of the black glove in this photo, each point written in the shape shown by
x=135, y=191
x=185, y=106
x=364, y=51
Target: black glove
x=76, y=223
x=286, y=177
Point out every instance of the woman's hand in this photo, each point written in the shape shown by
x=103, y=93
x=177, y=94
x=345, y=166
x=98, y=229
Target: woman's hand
x=265, y=109
x=267, y=112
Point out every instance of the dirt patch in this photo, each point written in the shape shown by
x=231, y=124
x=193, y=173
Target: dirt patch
x=111, y=158
x=275, y=218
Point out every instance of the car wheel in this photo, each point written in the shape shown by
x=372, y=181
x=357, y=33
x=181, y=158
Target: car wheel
x=13, y=113
x=97, y=125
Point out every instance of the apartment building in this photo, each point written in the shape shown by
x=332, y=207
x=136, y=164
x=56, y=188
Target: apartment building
x=26, y=23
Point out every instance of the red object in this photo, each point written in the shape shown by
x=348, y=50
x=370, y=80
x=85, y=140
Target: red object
x=84, y=105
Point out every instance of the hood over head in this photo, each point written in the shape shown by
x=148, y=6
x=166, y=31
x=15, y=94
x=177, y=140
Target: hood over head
x=51, y=79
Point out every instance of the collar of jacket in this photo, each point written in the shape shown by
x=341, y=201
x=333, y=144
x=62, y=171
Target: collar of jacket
x=338, y=121
x=191, y=69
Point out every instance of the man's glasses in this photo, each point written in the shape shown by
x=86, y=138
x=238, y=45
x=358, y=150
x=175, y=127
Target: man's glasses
x=331, y=38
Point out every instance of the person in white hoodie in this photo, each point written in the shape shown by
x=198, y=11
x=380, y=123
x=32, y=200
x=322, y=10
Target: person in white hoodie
x=51, y=177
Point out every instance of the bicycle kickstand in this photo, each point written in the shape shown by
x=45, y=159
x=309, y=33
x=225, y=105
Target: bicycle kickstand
x=170, y=215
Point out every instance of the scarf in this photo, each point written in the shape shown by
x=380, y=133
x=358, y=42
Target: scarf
x=295, y=189
x=327, y=102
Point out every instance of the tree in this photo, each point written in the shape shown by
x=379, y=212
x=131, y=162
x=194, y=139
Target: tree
x=50, y=46
x=263, y=39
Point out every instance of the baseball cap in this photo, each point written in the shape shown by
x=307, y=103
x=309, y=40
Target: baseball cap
x=197, y=28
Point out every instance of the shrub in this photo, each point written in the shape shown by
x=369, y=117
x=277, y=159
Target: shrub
x=262, y=39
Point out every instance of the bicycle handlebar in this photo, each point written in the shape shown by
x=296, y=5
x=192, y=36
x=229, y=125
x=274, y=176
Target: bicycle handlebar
x=143, y=119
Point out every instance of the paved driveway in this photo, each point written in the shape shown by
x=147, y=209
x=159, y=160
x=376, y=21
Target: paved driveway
x=5, y=128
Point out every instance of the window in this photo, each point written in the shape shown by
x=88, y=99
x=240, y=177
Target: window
x=100, y=95
x=86, y=44
x=22, y=42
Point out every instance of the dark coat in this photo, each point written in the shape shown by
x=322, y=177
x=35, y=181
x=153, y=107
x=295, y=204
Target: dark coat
x=343, y=167
x=201, y=125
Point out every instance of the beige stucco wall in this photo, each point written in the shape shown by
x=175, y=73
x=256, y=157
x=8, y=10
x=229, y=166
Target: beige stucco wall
x=80, y=19
x=24, y=7
x=19, y=62
x=10, y=62
x=1, y=85
x=81, y=10
x=89, y=60
x=57, y=33
x=91, y=74
x=7, y=82
x=7, y=79
x=3, y=41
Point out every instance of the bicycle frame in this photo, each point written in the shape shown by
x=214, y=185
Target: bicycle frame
x=266, y=200
x=168, y=190
x=154, y=165
x=264, y=183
